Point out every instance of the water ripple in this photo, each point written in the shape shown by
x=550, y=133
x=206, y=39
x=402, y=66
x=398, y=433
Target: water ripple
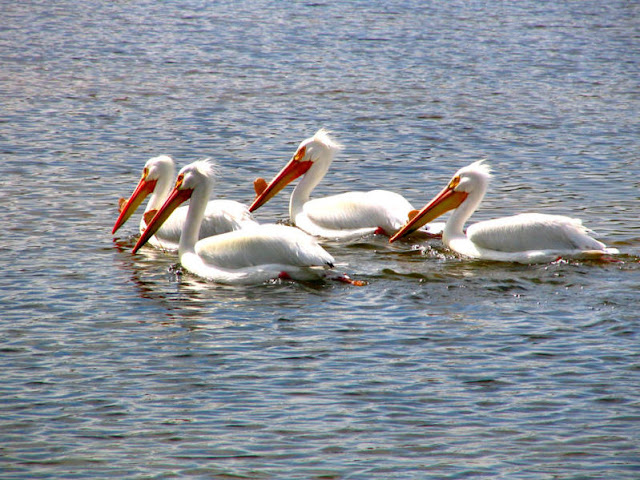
x=125, y=366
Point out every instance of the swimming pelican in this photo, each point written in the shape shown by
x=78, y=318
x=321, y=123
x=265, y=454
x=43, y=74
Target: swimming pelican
x=157, y=176
x=524, y=238
x=344, y=216
x=245, y=256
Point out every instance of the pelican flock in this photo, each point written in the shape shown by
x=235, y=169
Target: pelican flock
x=524, y=238
x=157, y=178
x=344, y=216
x=219, y=241
x=245, y=256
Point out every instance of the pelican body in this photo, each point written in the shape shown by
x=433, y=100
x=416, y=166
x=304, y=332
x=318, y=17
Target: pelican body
x=344, y=216
x=524, y=238
x=157, y=179
x=246, y=256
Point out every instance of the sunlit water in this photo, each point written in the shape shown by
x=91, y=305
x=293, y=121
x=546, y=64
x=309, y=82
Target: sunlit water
x=116, y=365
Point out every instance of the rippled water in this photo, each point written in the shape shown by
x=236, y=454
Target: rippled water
x=118, y=365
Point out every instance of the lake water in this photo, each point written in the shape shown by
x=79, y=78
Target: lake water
x=116, y=365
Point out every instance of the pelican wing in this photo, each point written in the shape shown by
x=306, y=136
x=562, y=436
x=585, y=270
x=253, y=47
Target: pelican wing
x=263, y=245
x=532, y=231
x=353, y=210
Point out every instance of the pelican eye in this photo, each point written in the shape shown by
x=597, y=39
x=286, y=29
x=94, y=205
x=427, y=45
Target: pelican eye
x=179, y=180
x=455, y=181
x=300, y=153
x=145, y=173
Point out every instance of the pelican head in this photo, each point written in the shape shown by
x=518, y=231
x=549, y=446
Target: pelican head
x=319, y=147
x=315, y=153
x=199, y=174
x=158, y=167
x=473, y=178
x=157, y=172
x=196, y=177
x=470, y=181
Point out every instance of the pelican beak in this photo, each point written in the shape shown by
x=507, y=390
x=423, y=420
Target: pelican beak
x=446, y=200
x=176, y=197
x=144, y=188
x=292, y=170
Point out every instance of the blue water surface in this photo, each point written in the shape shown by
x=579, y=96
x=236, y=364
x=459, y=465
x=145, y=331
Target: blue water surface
x=116, y=365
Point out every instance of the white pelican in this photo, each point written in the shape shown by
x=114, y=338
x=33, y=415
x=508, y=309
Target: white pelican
x=344, y=216
x=245, y=256
x=524, y=238
x=157, y=178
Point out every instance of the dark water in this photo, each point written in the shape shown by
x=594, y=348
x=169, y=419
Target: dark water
x=117, y=366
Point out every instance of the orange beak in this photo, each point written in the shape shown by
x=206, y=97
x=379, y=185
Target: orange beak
x=292, y=170
x=446, y=200
x=144, y=188
x=175, y=199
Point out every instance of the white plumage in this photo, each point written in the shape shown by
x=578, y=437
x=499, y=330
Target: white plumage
x=532, y=231
x=240, y=257
x=353, y=214
x=343, y=216
x=220, y=216
x=267, y=244
x=524, y=238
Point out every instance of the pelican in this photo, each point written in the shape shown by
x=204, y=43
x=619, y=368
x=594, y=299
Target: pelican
x=344, y=216
x=524, y=238
x=157, y=176
x=246, y=256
